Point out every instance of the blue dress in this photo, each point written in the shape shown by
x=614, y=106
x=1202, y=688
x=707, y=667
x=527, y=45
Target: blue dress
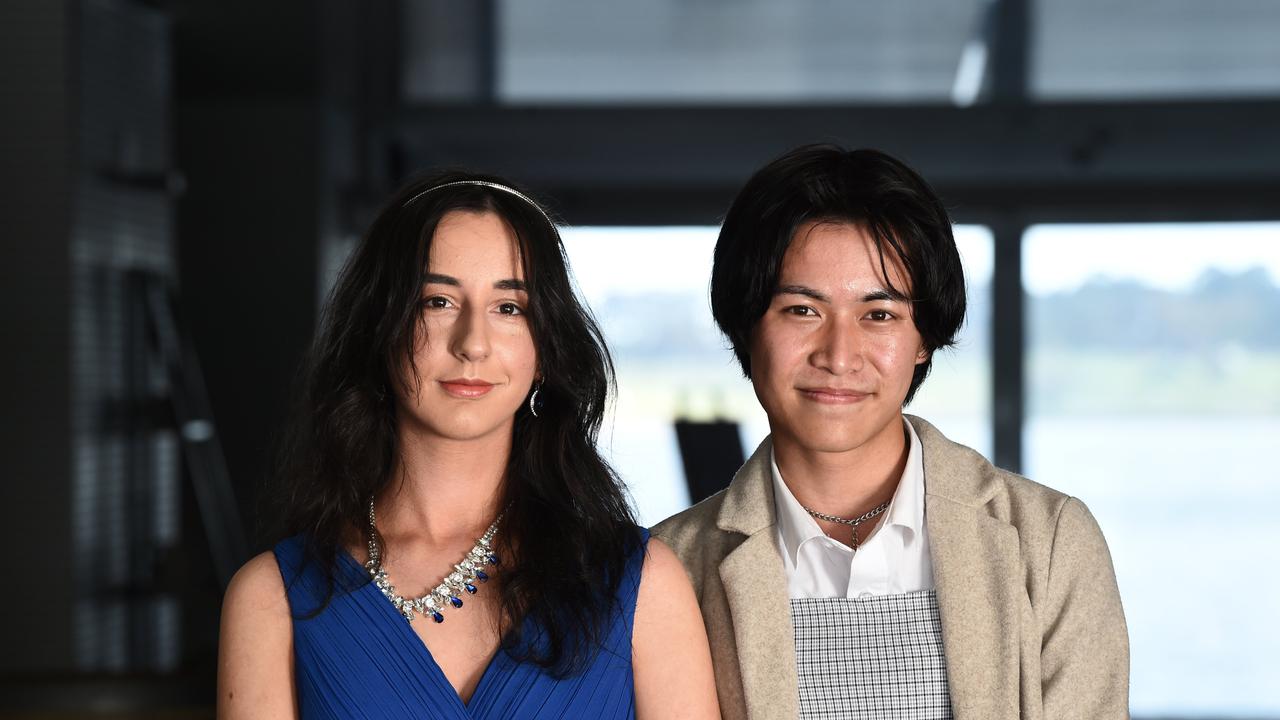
x=359, y=658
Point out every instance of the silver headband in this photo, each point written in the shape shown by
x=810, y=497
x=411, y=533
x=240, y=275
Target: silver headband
x=483, y=183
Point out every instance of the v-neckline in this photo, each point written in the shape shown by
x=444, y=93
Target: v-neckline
x=395, y=618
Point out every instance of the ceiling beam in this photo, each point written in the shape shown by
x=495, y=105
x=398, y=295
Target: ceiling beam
x=1044, y=162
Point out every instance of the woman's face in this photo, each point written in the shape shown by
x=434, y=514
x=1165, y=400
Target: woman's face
x=474, y=354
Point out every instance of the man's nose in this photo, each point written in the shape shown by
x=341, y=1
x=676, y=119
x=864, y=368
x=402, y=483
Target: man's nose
x=840, y=347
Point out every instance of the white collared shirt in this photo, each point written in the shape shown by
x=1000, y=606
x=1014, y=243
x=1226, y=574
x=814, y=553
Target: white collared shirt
x=895, y=559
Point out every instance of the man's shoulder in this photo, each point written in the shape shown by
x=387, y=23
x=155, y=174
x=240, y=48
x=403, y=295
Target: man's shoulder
x=1021, y=487
x=698, y=540
x=688, y=528
x=963, y=475
x=1028, y=505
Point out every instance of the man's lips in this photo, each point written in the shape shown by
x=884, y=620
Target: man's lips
x=466, y=387
x=833, y=396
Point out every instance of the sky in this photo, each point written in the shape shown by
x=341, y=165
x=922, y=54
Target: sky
x=1169, y=256
x=612, y=260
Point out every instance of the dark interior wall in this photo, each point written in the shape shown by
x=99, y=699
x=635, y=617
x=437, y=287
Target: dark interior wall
x=35, y=419
x=247, y=136
x=246, y=139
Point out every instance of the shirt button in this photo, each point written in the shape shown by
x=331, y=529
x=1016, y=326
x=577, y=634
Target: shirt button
x=864, y=594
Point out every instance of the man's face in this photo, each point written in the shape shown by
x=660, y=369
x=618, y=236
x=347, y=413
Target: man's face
x=833, y=357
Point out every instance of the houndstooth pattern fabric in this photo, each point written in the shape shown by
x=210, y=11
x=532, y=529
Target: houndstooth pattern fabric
x=871, y=658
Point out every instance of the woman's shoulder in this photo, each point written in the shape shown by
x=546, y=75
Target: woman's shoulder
x=257, y=588
x=670, y=655
x=661, y=566
x=255, y=610
x=255, y=644
x=279, y=578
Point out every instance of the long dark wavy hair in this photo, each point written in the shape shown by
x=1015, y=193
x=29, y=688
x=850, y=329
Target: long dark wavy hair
x=569, y=525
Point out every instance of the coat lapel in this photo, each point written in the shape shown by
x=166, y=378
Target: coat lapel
x=977, y=571
x=755, y=586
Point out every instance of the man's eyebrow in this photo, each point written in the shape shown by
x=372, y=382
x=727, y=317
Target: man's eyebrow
x=508, y=284
x=801, y=290
x=882, y=294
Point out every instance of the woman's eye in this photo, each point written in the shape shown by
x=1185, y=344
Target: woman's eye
x=436, y=302
x=510, y=309
x=801, y=310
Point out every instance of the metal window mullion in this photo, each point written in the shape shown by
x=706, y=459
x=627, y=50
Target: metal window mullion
x=1008, y=345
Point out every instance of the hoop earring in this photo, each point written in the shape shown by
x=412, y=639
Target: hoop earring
x=535, y=402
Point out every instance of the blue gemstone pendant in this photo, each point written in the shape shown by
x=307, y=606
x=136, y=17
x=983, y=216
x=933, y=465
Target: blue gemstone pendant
x=471, y=589
x=493, y=559
x=435, y=615
x=457, y=601
x=482, y=576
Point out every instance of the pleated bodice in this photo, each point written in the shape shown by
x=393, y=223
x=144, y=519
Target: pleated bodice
x=359, y=658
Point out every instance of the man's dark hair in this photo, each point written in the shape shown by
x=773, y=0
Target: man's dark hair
x=867, y=188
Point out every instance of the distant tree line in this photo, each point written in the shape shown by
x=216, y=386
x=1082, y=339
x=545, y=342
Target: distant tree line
x=1218, y=309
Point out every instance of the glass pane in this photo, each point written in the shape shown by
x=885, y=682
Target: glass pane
x=956, y=397
x=1154, y=366
x=747, y=50
x=1155, y=49
x=648, y=289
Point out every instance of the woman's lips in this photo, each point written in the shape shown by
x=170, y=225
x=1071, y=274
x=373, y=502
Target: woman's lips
x=465, y=388
x=833, y=396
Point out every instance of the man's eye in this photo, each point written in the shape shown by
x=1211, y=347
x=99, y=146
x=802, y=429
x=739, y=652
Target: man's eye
x=880, y=315
x=801, y=310
x=510, y=309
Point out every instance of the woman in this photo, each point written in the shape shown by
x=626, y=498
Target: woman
x=446, y=439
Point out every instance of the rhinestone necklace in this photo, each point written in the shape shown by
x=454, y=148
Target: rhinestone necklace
x=449, y=591
x=852, y=523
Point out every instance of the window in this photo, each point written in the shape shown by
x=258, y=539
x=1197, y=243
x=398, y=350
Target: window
x=1086, y=49
x=956, y=397
x=1154, y=396
x=674, y=51
x=648, y=287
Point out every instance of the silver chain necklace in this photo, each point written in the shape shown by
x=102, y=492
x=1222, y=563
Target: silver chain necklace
x=852, y=523
x=450, y=590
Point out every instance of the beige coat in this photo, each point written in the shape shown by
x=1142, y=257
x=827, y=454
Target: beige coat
x=1031, y=620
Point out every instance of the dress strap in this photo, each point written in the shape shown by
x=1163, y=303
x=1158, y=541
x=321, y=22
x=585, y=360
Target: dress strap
x=629, y=588
x=306, y=583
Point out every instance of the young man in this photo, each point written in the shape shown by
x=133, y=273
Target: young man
x=860, y=564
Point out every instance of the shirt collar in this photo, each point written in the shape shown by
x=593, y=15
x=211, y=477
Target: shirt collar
x=906, y=509
x=794, y=524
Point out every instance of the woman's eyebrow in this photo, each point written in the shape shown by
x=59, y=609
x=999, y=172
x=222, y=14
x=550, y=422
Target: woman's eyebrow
x=508, y=284
x=438, y=279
